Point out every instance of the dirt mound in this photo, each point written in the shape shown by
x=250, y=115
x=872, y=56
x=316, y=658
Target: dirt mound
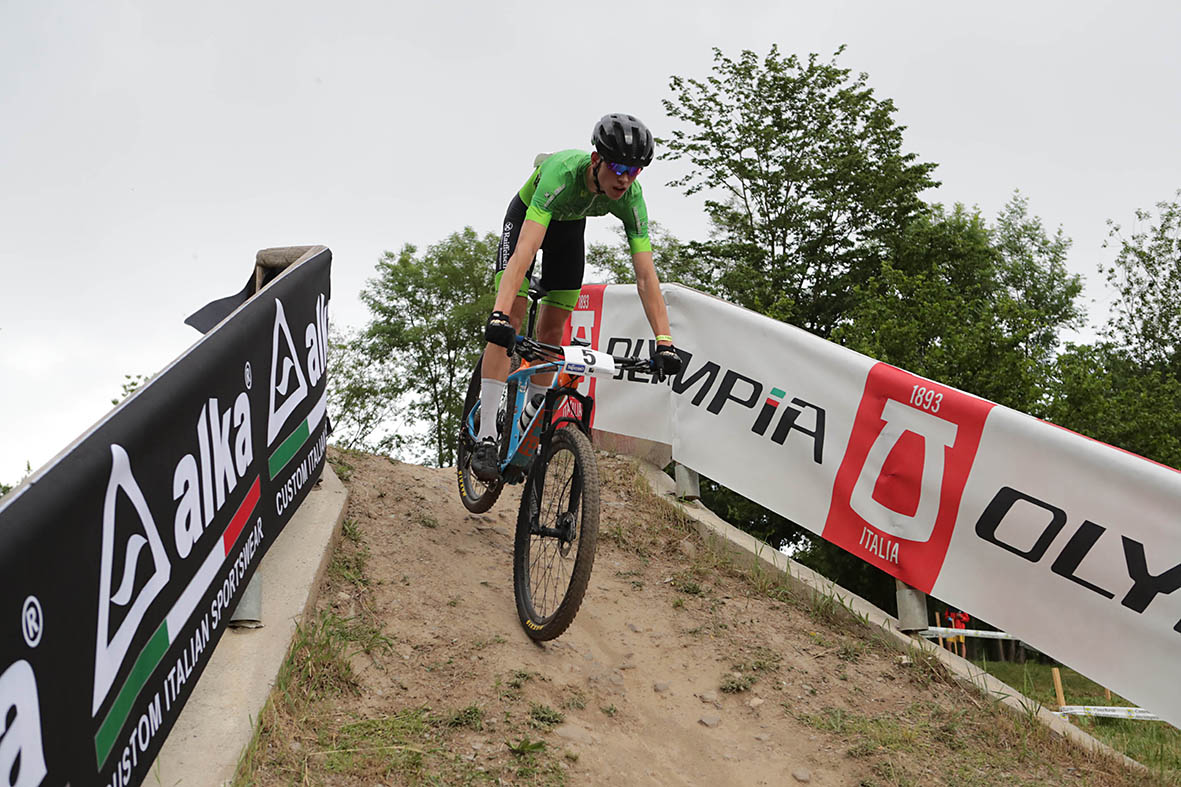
x=679, y=669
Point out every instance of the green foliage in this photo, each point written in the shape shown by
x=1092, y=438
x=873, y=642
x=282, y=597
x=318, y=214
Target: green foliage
x=364, y=395
x=1126, y=389
x=131, y=383
x=1104, y=392
x=6, y=488
x=1156, y=744
x=975, y=307
x=1146, y=274
x=673, y=259
x=805, y=180
x=425, y=334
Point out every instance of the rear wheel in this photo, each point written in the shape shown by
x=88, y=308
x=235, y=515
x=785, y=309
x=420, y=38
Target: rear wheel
x=476, y=495
x=557, y=533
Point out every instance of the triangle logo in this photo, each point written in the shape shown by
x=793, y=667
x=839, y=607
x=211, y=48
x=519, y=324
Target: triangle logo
x=130, y=577
x=288, y=386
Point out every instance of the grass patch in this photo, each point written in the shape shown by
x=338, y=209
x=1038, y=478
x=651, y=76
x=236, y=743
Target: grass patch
x=576, y=700
x=348, y=564
x=1156, y=744
x=687, y=585
x=340, y=466
x=471, y=717
x=543, y=717
x=394, y=745
x=737, y=682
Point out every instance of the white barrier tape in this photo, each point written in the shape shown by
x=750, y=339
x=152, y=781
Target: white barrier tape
x=938, y=631
x=1115, y=712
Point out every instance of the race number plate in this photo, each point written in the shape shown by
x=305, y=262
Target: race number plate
x=585, y=361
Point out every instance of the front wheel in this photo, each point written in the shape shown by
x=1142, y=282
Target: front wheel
x=557, y=533
x=476, y=495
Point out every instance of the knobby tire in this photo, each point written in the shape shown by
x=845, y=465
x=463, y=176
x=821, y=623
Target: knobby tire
x=550, y=574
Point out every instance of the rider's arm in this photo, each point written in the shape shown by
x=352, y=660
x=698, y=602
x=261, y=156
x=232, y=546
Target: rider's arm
x=648, y=285
x=532, y=233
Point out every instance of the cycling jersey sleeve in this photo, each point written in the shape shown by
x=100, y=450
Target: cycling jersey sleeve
x=549, y=180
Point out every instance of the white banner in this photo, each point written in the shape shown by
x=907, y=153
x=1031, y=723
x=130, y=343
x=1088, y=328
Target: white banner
x=1066, y=543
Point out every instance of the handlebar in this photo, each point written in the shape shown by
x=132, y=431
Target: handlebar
x=533, y=350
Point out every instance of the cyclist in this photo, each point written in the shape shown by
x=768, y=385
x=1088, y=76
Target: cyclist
x=549, y=213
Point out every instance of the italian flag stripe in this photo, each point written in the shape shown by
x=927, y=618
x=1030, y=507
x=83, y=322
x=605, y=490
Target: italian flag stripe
x=294, y=441
x=153, y=652
x=240, y=517
x=145, y=665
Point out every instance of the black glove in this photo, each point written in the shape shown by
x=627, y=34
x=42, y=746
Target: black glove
x=668, y=362
x=499, y=330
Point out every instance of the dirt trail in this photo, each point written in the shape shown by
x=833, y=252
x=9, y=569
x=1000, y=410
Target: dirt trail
x=678, y=669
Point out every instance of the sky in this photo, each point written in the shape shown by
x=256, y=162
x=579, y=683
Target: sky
x=149, y=149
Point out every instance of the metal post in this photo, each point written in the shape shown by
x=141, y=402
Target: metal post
x=248, y=613
x=688, y=487
x=912, y=607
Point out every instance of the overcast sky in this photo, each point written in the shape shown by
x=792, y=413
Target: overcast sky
x=148, y=149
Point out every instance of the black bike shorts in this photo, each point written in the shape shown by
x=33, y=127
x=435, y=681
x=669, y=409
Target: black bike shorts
x=563, y=256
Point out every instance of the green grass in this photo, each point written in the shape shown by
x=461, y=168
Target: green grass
x=1155, y=744
x=543, y=717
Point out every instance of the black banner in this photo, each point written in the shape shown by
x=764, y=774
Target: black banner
x=121, y=562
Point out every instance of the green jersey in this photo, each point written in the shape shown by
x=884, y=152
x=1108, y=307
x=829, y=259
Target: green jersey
x=557, y=190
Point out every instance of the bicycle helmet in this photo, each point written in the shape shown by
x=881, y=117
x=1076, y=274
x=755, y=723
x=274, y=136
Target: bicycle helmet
x=623, y=139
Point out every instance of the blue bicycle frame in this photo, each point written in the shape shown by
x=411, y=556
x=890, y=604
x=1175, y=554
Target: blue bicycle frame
x=521, y=445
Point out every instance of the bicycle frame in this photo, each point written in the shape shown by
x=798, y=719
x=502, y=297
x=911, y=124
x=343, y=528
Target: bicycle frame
x=521, y=444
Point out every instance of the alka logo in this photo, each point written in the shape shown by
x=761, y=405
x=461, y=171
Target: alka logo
x=22, y=755
x=289, y=388
x=135, y=565
x=898, y=489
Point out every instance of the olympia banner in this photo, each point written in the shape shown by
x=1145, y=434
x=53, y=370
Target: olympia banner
x=1067, y=543
x=122, y=560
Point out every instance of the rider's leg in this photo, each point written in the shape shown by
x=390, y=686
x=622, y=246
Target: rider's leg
x=495, y=366
x=551, y=321
x=561, y=276
x=494, y=372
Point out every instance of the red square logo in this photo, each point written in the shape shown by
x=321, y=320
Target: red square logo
x=898, y=489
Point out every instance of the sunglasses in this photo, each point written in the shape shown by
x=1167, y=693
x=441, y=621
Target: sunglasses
x=623, y=169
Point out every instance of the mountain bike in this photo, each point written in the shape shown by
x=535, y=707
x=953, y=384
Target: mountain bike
x=558, y=520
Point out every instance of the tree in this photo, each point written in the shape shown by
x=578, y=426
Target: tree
x=1126, y=388
x=975, y=307
x=673, y=259
x=365, y=395
x=1105, y=392
x=805, y=178
x=428, y=312
x=1146, y=274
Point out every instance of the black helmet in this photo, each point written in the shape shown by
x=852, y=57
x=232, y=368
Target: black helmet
x=623, y=139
